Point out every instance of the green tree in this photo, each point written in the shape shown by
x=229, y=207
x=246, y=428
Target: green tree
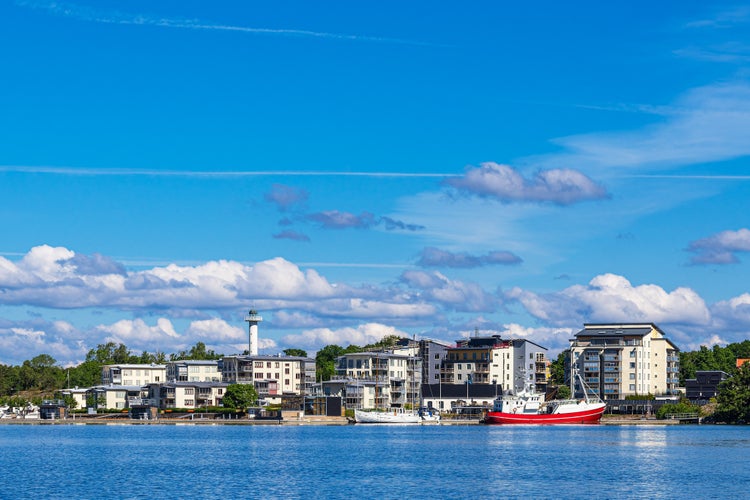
x=239, y=396
x=557, y=368
x=734, y=398
x=325, y=360
x=295, y=352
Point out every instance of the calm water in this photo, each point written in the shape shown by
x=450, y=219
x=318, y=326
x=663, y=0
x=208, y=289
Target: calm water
x=166, y=461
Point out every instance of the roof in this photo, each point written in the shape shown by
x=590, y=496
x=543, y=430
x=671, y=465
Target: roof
x=202, y=362
x=614, y=330
x=137, y=366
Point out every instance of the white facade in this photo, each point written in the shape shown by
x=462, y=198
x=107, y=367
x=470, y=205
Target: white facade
x=620, y=360
x=378, y=380
x=190, y=395
x=193, y=371
x=133, y=374
x=271, y=375
x=115, y=397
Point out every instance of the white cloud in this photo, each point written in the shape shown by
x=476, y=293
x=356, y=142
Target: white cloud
x=720, y=248
x=214, y=330
x=612, y=298
x=362, y=335
x=504, y=183
x=707, y=124
x=453, y=294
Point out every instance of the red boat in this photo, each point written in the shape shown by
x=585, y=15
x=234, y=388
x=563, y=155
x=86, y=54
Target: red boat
x=529, y=407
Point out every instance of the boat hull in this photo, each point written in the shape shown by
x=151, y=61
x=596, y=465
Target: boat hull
x=386, y=417
x=588, y=416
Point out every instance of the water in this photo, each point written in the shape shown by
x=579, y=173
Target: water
x=383, y=462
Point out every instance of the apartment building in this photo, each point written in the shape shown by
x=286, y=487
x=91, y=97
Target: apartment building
x=190, y=395
x=378, y=379
x=193, y=371
x=510, y=364
x=272, y=376
x=133, y=374
x=619, y=360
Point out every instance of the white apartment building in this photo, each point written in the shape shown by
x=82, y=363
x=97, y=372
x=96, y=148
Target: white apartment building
x=190, y=395
x=112, y=397
x=193, y=371
x=378, y=379
x=133, y=374
x=620, y=360
x=509, y=364
x=272, y=376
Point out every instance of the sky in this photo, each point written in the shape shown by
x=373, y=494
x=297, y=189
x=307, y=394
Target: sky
x=360, y=169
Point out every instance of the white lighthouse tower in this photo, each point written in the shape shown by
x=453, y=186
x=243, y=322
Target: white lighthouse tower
x=253, y=318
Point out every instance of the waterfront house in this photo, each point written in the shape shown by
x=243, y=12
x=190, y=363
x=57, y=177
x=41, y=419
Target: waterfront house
x=621, y=360
x=114, y=396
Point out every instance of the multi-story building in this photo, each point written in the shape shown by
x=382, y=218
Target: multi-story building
x=112, y=397
x=378, y=379
x=705, y=385
x=510, y=364
x=619, y=360
x=191, y=395
x=193, y=371
x=133, y=374
x=272, y=376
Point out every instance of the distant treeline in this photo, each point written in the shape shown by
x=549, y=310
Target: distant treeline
x=42, y=375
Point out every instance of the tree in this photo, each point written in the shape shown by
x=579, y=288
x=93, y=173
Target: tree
x=239, y=396
x=734, y=398
x=557, y=368
x=295, y=352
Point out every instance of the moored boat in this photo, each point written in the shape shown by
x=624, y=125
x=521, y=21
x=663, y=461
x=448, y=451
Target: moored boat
x=529, y=407
x=390, y=416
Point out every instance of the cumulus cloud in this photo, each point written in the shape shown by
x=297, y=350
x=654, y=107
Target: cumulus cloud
x=316, y=338
x=612, y=298
x=504, y=183
x=452, y=294
x=434, y=257
x=720, y=248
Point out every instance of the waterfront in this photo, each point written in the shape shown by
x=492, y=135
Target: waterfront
x=132, y=461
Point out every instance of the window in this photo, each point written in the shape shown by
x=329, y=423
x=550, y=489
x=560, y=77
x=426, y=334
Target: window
x=189, y=391
x=286, y=381
x=268, y=364
x=632, y=366
x=220, y=392
x=189, y=402
x=277, y=365
x=437, y=356
x=632, y=376
x=259, y=364
x=259, y=375
x=459, y=376
x=286, y=371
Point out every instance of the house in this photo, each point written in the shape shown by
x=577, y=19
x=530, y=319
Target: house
x=620, y=360
x=133, y=374
x=111, y=397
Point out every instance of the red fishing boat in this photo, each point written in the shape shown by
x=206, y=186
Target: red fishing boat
x=529, y=407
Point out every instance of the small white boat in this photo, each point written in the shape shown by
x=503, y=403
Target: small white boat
x=389, y=416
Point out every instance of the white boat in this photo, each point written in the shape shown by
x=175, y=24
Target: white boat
x=390, y=416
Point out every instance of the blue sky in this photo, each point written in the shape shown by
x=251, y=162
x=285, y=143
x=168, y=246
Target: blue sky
x=360, y=169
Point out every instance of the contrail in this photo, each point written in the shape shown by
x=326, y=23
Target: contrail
x=124, y=172
x=87, y=14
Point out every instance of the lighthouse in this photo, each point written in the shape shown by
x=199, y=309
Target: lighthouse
x=253, y=318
